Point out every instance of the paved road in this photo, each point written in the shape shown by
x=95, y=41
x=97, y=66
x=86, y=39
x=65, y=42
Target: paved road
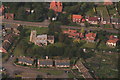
x=39, y=24
x=11, y=68
x=46, y=23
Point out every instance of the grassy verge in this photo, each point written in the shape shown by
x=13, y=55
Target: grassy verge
x=52, y=72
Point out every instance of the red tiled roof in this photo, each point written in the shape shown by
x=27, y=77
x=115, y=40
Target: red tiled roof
x=112, y=40
x=91, y=35
x=56, y=6
x=83, y=20
x=81, y=35
x=77, y=16
x=72, y=31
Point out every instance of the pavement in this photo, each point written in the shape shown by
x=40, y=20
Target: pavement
x=47, y=22
x=11, y=69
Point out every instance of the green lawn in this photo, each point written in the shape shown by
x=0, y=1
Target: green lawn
x=90, y=12
x=52, y=72
x=40, y=30
x=104, y=69
x=102, y=11
x=71, y=75
x=89, y=45
x=104, y=46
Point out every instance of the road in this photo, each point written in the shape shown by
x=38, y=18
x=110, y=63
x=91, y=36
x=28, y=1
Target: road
x=38, y=24
x=11, y=68
x=46, y=23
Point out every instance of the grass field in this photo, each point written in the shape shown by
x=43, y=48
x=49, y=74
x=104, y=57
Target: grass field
x=40, y=30
x=52, y=72
x=102, y=11
x=89, y=45
x=104, y=65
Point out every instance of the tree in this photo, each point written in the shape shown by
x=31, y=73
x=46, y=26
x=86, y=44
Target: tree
x=54, y=27
x=21, y=15
x=61, y=37
x=51, y=14
x=63, y=18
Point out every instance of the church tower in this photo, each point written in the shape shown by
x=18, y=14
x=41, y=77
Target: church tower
x=33, y=36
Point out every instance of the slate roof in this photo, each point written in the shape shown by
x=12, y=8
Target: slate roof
x=45, y=62
x=26, y=60
x=62, y=62
x=117, y=20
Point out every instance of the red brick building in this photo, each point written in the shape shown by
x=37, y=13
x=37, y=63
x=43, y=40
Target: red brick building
x=90, y=37
x=74, y=34
x=93, y=20
x=56, y=6
x=77, y=18
x=113, y=41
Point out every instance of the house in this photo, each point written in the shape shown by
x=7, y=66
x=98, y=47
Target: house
x=62, y=63
x=5, y=46
x=77, y=18
x=113, y=41
x=45, y=63
x=9, y=38
x=74, y=34
x=93, y=20
x=9, y=16
x=90, y=37
x=56, y=6
x=7, y=41
x=105, y=20
x=108, y=2
x=25, y=60
x=115, y=21
x=41, y=40
x=50, y=39
x=12, y=27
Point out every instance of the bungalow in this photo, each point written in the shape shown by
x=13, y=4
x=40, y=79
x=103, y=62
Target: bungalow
x=45, y=63
x=62, y=63
x=105, y=20
x=115, y=21
x=113, y=41
x=90, y=37
x=25, y=60
x=93, y=20
x=77, y=18
x=9, y=16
